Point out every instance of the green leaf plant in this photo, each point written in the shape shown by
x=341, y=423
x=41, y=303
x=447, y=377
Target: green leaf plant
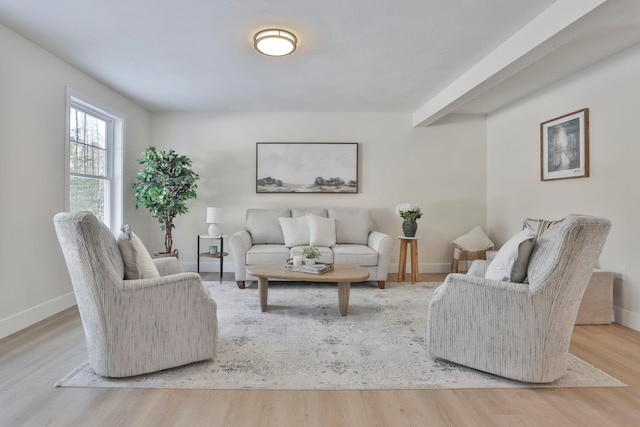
x=164, y=184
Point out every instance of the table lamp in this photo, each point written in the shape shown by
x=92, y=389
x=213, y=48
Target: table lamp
x=214, y=217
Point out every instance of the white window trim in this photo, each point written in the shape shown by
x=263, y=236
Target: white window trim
x=115, y=204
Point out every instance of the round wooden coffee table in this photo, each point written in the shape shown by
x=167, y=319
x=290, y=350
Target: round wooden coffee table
x=342, y=274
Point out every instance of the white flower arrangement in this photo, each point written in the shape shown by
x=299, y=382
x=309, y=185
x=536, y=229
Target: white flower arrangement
x=409, y=211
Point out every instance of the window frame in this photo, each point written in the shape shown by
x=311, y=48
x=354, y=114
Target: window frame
x=114, y=201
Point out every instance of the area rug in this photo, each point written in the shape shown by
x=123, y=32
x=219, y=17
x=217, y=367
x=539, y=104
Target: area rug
x=303, y=343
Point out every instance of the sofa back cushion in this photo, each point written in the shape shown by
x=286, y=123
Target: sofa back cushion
x=296, y=212
x=353, y=225
x=264, y=226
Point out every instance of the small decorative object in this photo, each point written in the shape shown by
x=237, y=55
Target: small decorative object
x=310, y=254
x=564, y=151
x=213, y=250
x=214, y=217
x=410, y=212
x=297, y=261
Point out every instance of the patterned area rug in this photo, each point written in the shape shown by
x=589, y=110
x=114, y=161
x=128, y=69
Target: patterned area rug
x=303, y=343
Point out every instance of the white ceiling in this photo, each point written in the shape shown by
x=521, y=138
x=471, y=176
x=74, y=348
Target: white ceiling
x=353, y=55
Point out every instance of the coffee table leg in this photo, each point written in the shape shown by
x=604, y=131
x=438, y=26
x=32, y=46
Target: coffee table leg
x=343, y=297
x=263, y=287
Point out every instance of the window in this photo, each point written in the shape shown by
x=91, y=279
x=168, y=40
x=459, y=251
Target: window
x=94, y=162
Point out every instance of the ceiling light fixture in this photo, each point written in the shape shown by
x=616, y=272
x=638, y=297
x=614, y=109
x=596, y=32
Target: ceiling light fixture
x=275, y=42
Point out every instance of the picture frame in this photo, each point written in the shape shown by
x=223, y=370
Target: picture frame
x=307, y=167
x=564, y=146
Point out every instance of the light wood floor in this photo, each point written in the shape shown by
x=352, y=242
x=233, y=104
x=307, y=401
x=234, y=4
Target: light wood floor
x=32, y=360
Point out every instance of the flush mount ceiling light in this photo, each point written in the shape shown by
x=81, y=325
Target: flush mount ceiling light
x=275, y=42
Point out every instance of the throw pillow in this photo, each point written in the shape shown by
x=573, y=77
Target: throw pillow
x=322, y=231
x=510, y=263
x=295, y=231
x=138, y=264
x=475, y=240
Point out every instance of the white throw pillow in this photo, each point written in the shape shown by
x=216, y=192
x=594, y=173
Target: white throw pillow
x=322, y=231
x=138, y=264
x=295, y=231
x=510, y=263
x=475, y=240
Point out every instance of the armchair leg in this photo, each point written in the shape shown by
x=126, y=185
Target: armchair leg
x=240, y=284
x=381, y=284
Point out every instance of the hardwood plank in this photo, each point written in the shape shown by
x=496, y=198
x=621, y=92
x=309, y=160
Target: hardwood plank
x=32, y=360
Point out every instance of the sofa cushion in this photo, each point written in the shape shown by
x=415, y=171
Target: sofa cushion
x=295, y=212
x=322, y=231
x=353, y=225
x=138, y=264
x=511, y=261
x=267, y=254
x=295, y=231
x=264, y=227
x=326, y=254
x=355, y=254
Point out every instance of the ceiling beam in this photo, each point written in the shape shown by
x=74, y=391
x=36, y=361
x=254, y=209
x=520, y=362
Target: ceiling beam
x=539, y=37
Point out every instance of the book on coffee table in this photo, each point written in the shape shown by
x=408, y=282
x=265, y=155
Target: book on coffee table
x=317, y=268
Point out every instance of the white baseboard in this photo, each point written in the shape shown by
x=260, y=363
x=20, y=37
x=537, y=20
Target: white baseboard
x=33, y=315
x=626, y=318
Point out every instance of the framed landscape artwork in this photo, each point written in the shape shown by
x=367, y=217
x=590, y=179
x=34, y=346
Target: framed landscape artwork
x=301, y=167
x=564, y=146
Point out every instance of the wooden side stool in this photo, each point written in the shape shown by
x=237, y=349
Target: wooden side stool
x=402, y=264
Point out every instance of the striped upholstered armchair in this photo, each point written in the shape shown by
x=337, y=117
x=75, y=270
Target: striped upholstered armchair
x=520, y=331
x=134, y=326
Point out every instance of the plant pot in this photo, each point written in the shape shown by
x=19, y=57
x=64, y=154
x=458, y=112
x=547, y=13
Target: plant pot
x=166, y=254
x=409, y=228
x=309, y=261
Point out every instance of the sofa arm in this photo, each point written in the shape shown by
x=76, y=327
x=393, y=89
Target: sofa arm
x=240, y=243
x=383, y=245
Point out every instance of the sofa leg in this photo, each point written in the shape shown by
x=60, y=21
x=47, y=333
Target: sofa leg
x=381, y=284
x=240, y=284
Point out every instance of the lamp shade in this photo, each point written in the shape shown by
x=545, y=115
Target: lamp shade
x=214, y=215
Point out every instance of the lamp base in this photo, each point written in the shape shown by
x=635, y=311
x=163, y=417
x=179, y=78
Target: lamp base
x=214, y=230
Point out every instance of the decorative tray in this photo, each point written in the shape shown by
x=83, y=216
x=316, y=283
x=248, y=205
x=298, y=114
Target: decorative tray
x=317, y=268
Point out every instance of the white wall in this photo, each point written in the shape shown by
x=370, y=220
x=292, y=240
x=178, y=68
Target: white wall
x=442, y=168
x=34, y=283
x=611, y=91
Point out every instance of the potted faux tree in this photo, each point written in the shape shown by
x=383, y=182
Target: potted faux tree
x=164, y=185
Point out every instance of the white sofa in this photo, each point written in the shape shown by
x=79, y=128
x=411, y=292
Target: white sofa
x=263, y=241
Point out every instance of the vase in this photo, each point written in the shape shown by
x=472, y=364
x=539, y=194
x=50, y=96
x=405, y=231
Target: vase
x=409, y=228
x=309, y=261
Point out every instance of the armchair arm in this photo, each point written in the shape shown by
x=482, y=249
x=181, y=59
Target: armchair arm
x=478, y=268
x=168, y=265
x=486, y=324
x=240, y=243
x=157, y=323
x=140, y=284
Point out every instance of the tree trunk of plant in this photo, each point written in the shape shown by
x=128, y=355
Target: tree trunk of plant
x=168, y=240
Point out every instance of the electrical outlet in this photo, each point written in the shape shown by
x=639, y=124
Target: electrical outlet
x=621, y=272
